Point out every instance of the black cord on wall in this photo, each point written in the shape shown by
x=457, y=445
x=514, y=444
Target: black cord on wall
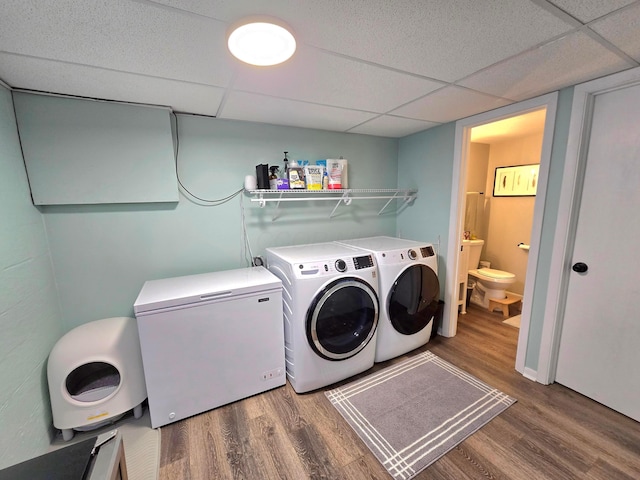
x=209, y=202
x=246, y=246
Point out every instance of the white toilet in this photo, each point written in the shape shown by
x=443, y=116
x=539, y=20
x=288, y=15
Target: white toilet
x=490, y=283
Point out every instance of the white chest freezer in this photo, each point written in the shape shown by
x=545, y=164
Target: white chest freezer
x=209, y=339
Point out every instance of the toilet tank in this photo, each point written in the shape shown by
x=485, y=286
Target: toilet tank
x=475, y=249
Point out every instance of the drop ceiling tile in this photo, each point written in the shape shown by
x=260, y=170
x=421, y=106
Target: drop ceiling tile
x=220, y=9
x=318, y=77
x=448, y=104
x=56, y=77
x=260, y=108
x=392, y=126
x=570, y=60
x=441, y=40
x=136, y=37
x=623, y=30
x=433, y=38
x=588, y=10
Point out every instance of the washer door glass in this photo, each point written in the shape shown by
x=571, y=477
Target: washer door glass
x=413, y=299
x=342, y=318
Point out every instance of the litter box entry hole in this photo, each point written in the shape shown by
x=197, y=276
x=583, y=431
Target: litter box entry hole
x=93, y=381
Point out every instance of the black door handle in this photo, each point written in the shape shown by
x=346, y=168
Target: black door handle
x=580, y=267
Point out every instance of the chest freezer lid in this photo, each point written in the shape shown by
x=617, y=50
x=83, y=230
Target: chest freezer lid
x=193, y=289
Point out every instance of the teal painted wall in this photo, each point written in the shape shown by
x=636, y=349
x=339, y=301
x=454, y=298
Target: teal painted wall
x=103, y=254
x=425, y=162
x=29, y=310
x=554, y=184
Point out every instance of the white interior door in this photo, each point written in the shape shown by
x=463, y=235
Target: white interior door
x=599, y=349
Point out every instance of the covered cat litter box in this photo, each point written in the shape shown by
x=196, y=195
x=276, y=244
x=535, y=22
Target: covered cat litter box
x=95, y=375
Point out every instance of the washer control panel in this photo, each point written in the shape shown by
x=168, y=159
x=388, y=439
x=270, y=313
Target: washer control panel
x=333, y=266
x=365, y=261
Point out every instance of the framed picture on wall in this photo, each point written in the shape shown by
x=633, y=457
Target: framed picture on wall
x=516, y=181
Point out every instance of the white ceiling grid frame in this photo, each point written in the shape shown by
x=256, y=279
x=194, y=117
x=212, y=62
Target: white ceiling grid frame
x=567, y=61
x=84, y=81
x=121, y=35
x=334, y=80
x=450, y=103
x=628, y=38
x=392, y=126
x=392, y=56
x=279, y=111
x=588, y=10
x=476, y=33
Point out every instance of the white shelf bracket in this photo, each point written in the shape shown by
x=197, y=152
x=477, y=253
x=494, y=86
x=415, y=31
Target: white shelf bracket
x=395, y=195
x=345, y=198
x=408, y=196
x=277, y=209
x=279, y=199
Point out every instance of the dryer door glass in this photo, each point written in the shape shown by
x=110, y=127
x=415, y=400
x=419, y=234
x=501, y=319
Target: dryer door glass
x=413, y=299
x=342, y=318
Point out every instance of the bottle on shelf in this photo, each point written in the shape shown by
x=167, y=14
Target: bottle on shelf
x=296, y=176
x=344, y=172
x=334, y=171
x=283, y=181
x=273, y=177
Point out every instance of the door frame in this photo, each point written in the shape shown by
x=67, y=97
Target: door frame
x=461, y=154
x=568, y=208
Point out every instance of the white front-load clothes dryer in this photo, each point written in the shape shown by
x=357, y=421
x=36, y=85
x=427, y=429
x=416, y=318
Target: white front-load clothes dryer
x=330, y=310
x=409, y=292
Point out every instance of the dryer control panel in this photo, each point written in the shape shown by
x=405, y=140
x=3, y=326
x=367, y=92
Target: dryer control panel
x=405, y=255
x=427, y=251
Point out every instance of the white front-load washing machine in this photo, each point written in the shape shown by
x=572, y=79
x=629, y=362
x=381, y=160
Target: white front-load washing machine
x=409, y=292
x=330, y=311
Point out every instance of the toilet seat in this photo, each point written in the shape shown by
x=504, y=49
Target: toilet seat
x=492, y=275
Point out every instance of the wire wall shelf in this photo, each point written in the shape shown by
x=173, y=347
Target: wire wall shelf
x=343, y=196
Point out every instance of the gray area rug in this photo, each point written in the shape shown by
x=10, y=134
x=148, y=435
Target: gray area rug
x=413, y=412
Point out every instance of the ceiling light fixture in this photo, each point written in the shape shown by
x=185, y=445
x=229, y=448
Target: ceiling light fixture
x=261, y=41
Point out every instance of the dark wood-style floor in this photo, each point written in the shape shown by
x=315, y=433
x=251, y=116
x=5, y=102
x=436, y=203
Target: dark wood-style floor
x=550, y=433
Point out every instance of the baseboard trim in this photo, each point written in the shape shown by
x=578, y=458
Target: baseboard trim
x=530, y=373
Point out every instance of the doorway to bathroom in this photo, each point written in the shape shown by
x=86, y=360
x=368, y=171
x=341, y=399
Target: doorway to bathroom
x=506, y=237
x=501, y=183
